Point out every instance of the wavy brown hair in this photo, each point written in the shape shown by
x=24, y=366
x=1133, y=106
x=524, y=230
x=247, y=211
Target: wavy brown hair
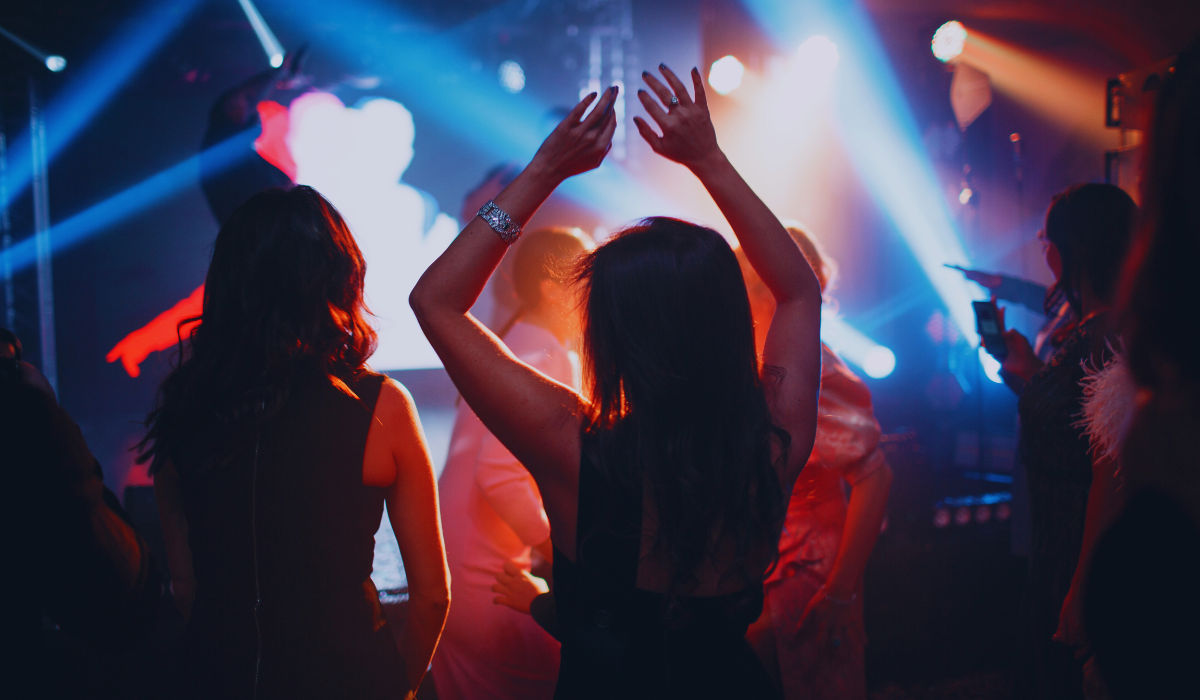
x=283, y=294
x=677, y=399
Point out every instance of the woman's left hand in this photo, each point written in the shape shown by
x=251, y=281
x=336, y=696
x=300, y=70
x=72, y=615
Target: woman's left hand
x=1070, y=620
x=516, y=587
x=828, y=621
x=578, y=145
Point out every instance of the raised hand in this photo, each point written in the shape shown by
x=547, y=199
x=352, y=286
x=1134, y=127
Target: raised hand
x=688, y=136
x=578, y=145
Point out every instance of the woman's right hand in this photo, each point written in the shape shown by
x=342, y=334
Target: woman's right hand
x=1021, y=362
x=576, y=146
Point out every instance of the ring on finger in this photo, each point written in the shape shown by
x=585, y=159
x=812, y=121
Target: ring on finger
x=674, y=100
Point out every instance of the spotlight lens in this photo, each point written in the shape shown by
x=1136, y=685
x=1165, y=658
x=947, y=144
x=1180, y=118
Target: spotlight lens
x=276, y=60
x=512, y=77
x=948, y=41
x=56, y=63
x=725, y=75
x=879, y=362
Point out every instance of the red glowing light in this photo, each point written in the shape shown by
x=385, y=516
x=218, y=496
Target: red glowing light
x=159, y=334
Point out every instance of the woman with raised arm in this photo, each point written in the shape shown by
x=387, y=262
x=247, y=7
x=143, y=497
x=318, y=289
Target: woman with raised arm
x=274, y=450
x=665, y=488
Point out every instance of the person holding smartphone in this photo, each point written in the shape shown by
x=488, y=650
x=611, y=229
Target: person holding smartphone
x=1072, y=495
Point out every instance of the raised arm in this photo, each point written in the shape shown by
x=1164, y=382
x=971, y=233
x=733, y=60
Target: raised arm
x=792, y=356
x=536, y=418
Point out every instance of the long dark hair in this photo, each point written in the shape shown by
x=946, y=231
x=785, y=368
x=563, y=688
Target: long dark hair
x=1159, y=281
x=676, y=397
x=284, y=292
x=1091, y=225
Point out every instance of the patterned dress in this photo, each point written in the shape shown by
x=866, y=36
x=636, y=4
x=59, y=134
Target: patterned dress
x=846, y=451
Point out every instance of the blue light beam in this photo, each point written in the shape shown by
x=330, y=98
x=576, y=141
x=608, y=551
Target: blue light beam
x=103, y=216
x=880, y=135
x=95, y=81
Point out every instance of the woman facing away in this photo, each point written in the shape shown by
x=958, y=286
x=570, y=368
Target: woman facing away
x=274, y=449
x=810, y=636
x=665, y=489
x=1072, y=491
x=490, y=505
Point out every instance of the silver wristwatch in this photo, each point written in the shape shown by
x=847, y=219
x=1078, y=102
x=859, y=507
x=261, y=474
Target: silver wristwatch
x=508, y=230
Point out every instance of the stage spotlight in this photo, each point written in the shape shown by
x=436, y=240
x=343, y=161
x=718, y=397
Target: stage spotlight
x=56, y=63
x=855, y=347
x=948, y=41
x=941, y=517
x=962, y=515
x=512, y=77
x=276, y=60
x=725, y=75
x=879, y=362
x=991, y=366
x=964, y=197
x=818, y=54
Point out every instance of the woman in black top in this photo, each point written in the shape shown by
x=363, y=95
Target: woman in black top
x=1071, y=495
x=274, y=449
x=666, y=488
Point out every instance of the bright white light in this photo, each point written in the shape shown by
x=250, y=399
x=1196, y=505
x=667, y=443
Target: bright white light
x=964, y=197
x=948, y=41
x=512, y=76
x=725, y=75
x=855, y=347
x=265, y=36
x=818, y=54
x=56, y=63
x=357, y=157
x=991, y=366
x=879, y=362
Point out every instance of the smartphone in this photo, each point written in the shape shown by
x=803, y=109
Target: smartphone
x=987, y=322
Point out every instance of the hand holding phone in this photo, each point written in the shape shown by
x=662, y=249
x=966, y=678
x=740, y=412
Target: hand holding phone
x=990, y=323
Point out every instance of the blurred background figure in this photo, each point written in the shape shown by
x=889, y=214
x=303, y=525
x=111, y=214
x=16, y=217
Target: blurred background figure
x=492, y=509
x=1072, y=491
x=241, y=112
x=73, y=557
x=1145, y=643
x=810, y=636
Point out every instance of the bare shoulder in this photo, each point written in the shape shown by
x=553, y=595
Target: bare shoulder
x=395, y=403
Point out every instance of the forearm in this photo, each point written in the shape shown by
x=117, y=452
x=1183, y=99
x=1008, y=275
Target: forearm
x=455, y=280
x=768, y=247
x=422, y=629
x=864, y=516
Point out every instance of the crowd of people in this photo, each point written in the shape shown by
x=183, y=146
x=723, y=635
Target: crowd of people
x=660, y=482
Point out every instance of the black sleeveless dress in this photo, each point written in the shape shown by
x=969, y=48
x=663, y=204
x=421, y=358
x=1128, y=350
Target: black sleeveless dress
x=293, y=529
x=622, y=642
x=1058, y=462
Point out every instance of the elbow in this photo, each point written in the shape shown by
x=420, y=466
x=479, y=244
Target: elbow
x=434, y=599
x=418, y=299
